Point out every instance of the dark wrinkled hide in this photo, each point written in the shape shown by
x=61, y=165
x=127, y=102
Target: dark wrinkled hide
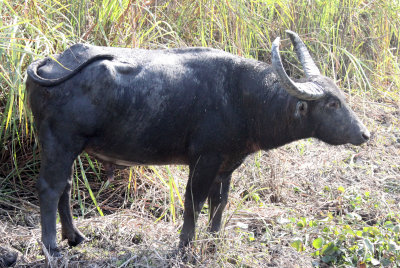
x=196, y=106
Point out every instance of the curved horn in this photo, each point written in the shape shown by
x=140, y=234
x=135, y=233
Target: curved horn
x=304, y=91
x=307, y=62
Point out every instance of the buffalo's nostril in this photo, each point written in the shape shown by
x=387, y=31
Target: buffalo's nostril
x=366, y=135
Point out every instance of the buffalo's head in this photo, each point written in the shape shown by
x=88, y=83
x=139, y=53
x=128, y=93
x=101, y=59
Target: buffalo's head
x=321, y=105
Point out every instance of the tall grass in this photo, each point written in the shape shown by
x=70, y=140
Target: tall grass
x=353, y=41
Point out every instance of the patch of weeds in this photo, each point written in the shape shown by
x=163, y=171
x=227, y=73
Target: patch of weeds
x=349, y=238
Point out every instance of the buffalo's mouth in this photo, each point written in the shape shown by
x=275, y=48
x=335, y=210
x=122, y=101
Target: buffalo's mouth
x=363, y=137
x=339, y=139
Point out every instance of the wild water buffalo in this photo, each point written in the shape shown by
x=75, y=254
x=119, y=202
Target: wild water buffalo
x=196, y=106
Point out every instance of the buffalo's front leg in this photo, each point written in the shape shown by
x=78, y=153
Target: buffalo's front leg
x=69, y=230
x=201, y=176
x=217, y=200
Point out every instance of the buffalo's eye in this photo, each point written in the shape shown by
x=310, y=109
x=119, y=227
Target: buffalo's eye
x=334, y=104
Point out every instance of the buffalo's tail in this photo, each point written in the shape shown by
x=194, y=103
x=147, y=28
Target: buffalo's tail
x=33, y=68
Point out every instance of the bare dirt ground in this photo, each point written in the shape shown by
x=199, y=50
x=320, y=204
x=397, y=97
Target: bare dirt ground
x=303, y=179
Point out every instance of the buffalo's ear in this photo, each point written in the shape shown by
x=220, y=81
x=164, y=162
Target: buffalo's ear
x=301, y=108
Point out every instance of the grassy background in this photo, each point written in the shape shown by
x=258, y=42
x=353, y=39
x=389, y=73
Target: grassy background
x=272, y=210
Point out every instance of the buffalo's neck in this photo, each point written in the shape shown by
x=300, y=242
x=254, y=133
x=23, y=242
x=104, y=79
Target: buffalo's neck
x=270, y=109
x=277, y=122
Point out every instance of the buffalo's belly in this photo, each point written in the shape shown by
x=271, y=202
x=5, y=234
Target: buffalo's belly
x=132, y=153
x=135, y=161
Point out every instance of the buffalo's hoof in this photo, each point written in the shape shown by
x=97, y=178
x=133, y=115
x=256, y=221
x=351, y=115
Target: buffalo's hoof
x=186, y=253
x=52, y=256
x=184, y=248
x=79, y=238
x=184, y=242
x=173, y=254
x=74, y=238
x=52, y=252
x=7, y=258
x=182, y=245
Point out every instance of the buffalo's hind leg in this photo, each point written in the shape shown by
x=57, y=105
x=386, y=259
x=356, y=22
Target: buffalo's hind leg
x=68, y=228
x=218, y=195
x=217, y=200
x=53, y=185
